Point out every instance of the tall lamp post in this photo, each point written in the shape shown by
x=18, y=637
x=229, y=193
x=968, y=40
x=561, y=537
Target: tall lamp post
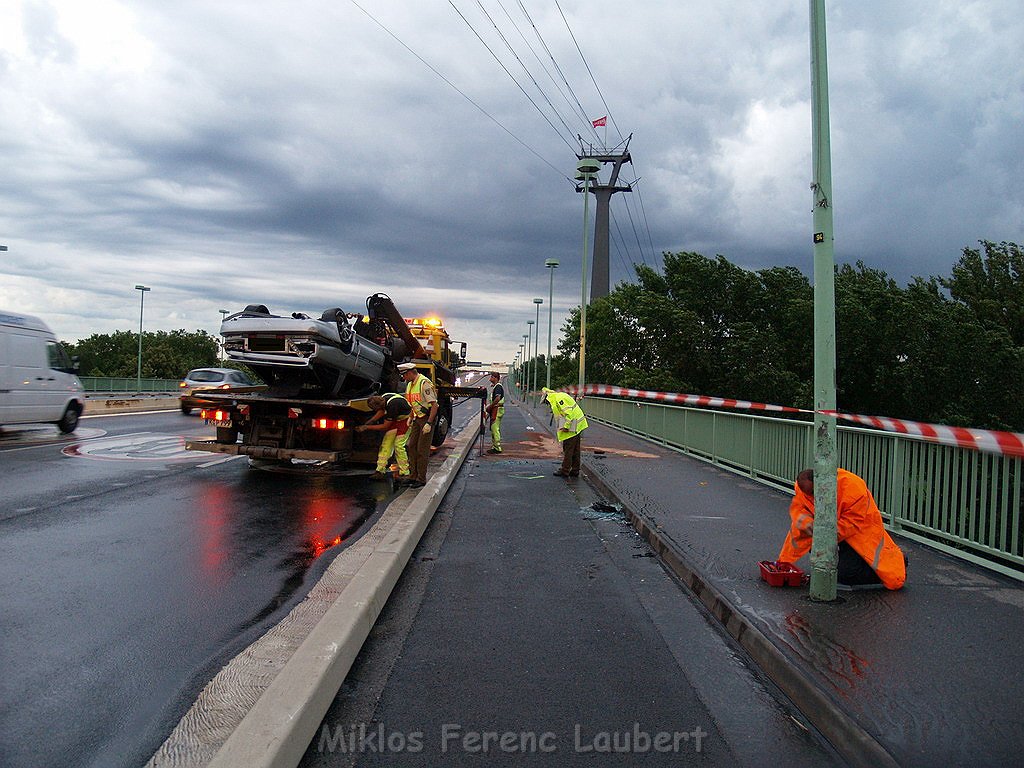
x=585, y=171
x=526, y=353
x=536, y=344
x=823, y=551
x=142, y=303
x=519, y=370
x=223, y=314
x=552, y=265
x=531, y=362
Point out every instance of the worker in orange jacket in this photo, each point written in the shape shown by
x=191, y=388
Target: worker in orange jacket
x=868, y=557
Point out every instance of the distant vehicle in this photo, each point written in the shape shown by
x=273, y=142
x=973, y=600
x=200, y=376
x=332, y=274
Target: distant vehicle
x=199, y=380
x=37, y=379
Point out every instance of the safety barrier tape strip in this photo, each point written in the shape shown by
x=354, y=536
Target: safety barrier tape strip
x=987, y=441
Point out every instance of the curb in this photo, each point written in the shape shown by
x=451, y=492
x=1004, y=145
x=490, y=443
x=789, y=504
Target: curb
x=856, y=745
x=279, y=727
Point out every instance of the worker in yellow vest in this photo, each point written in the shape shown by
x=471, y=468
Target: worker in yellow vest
x=422, y=397
x=570, y=422
x=495, y=410
x=391, y=414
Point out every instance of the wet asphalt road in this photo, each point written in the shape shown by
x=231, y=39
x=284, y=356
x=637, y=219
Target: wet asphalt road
x=130, y=572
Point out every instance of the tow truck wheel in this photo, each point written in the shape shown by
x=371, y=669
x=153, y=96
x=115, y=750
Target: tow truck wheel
x=443, y=423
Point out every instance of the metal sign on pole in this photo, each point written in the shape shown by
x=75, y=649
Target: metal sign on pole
x=824, y=550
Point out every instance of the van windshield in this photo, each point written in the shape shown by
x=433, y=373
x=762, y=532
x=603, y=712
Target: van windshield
x=58, y=358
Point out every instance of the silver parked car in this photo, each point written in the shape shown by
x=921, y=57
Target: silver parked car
x=214, y=379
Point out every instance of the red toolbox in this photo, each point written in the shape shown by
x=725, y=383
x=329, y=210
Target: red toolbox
x=781, y=574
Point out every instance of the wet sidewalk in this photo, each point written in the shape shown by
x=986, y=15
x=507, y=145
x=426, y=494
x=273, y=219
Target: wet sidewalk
x=534, y=626
x=930, y=675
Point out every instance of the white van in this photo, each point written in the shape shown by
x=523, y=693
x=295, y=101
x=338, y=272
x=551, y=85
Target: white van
x=37, y=380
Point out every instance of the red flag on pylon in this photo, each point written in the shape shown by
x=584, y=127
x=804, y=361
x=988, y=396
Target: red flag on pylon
x=600, y=121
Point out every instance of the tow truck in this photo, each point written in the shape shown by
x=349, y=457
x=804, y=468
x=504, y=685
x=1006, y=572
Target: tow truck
x=319, y=374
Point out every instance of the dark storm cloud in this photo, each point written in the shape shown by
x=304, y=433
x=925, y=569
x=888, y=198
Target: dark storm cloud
x=298, y=156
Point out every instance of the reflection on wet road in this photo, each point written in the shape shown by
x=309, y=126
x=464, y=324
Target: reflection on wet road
x=126, y=589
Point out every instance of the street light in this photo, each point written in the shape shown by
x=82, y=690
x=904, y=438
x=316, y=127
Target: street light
x=586, y=168
x=526, y=364
x=552, y=265
x=522, y=360
x=223, y=314
x=142, y=303
x=536, y=344
x=529, y=346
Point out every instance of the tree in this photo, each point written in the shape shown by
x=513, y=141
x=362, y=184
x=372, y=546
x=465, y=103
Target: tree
x=164, y=355
x=992, y=286
x=706, y=326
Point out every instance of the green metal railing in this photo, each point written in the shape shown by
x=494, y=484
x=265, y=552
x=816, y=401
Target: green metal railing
x=957, y=500
x=114, y=384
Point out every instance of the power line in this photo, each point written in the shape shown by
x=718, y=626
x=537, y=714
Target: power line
x=461, y=92
x=587, y=65
x=582, y=112
x=511, y=76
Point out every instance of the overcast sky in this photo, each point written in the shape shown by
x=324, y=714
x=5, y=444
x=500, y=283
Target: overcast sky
x=306, y=154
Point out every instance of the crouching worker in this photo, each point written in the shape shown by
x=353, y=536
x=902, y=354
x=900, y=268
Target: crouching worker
x=570, y=422
x=868, y=557
x=394, y=409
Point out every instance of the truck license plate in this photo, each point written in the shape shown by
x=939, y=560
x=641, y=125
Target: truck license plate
x=212, y=423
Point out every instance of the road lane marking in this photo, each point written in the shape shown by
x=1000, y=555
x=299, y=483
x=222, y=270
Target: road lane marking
x=142, y=446
x=219, y=461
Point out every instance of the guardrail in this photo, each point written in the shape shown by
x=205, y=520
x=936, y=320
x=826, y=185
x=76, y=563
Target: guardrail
x=957, y=500
x=115, y=384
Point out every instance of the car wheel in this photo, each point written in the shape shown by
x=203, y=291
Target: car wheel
x=69, y=421
x=186, y=409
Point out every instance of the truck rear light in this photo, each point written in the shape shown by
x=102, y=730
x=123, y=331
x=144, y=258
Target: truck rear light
x=328, y=423
x=214, y=415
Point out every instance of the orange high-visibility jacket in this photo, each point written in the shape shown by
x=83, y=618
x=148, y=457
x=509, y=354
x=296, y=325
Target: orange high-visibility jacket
x=859, y=524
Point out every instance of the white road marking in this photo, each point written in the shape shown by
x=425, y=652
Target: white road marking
x=219, y=461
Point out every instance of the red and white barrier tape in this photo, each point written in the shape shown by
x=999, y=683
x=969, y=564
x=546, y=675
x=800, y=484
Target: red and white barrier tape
x=985, y=440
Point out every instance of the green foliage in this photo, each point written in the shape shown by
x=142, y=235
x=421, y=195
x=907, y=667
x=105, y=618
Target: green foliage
x=165, y=355
x=706, y=326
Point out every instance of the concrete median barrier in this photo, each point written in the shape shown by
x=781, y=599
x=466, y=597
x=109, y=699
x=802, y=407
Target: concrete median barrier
x=96, y=406
x=263, y=708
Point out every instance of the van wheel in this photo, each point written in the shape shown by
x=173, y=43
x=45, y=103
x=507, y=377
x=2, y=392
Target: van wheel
x=69, y=421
